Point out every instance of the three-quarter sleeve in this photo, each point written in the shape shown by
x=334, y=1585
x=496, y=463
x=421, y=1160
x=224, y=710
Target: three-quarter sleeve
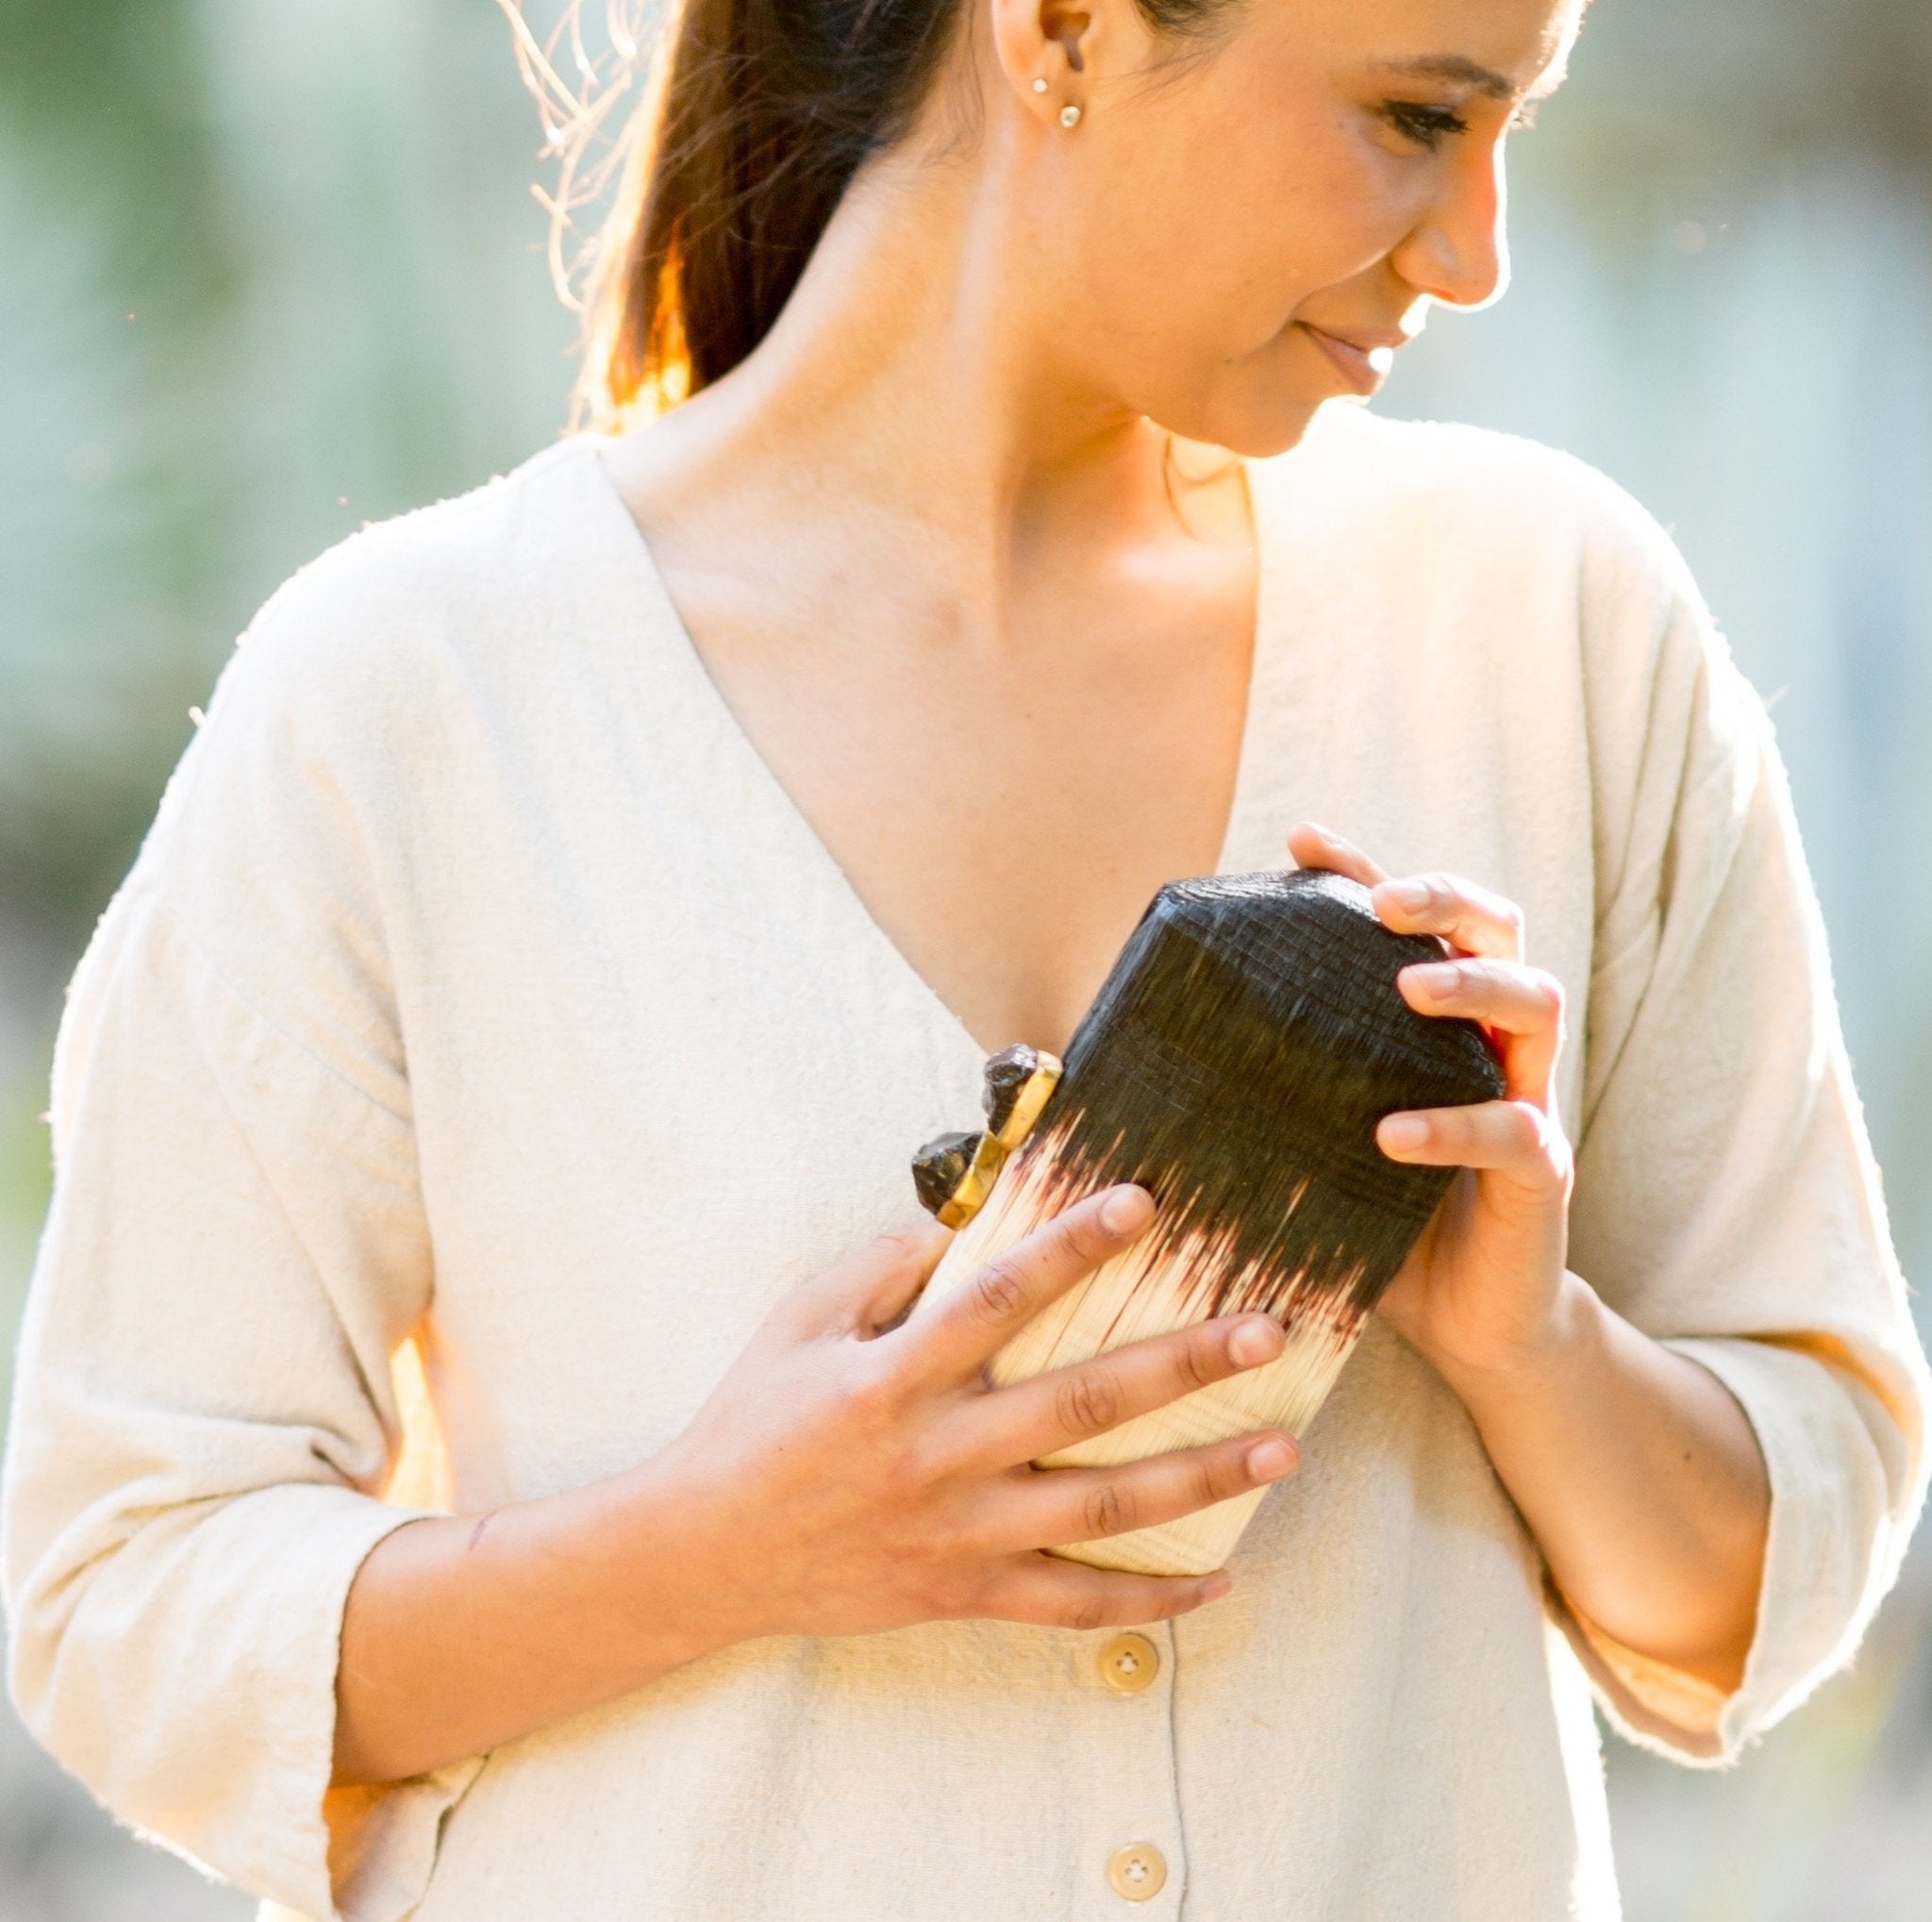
x=1727, y=1198
x=203, y=1411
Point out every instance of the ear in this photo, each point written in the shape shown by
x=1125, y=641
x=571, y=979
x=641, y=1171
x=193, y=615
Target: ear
x=1065, y=28
x=1071, y=44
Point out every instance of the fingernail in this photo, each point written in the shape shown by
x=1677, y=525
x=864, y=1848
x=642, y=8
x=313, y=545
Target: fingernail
x=1404, y=1131
x=1435, y=978
x=1270, y=1460
x=1412, y=896
x=1253, y=1341
x=1216, y=1587
x=1126, y=1209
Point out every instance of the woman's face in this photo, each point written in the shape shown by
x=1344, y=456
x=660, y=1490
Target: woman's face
x=1316, y=172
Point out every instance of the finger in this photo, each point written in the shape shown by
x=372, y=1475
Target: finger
x=1059, y=1505
x=1056, y=1594
x=971, y=1326
x=1476, y=919
x=1314, y=846
x=1515, y=1137
x=1522, y=1005
x=1031, y=1418
x=873, y=1287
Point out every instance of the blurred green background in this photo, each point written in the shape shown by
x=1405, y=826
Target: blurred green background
x=267, y=270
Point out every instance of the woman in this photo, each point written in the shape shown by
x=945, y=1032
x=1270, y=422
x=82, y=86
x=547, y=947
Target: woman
x=583, y=894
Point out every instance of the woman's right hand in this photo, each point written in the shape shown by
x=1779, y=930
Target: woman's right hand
x=855, y=1471
x=852, y=1471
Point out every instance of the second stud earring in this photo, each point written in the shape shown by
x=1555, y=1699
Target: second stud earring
x=1070, y=115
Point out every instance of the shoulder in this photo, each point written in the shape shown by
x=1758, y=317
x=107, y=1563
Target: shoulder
x=468, y=573
x=358, y=666
x=344, y=711
x=1535, y=590
x=1530, y=560
x=1473, y=499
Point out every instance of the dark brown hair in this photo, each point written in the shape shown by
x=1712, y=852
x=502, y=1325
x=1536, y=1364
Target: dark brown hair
x=757, y=116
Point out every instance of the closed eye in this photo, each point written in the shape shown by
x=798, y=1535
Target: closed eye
x=1427, y=125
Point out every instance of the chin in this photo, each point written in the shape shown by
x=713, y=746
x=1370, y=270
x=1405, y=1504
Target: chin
x=1256, y=406
x=1266, y=423
x=1277, y=428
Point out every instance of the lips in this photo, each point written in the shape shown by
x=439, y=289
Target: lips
x=1363, y=357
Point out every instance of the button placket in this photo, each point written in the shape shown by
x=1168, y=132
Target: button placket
x=1140, y=1858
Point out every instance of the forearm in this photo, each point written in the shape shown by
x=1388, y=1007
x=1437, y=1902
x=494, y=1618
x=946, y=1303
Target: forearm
x=471, y=1630
x=1641, y=1480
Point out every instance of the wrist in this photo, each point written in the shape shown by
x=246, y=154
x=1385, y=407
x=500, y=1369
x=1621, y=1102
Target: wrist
x=658, y=1568
x=1539, y=1360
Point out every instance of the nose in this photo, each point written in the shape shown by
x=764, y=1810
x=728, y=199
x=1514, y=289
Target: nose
x=1459, y=250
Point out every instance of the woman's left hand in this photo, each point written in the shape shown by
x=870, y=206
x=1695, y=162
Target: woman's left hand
x=1482, y=1291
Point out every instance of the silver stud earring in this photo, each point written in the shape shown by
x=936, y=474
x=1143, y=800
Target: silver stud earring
x=1039, y=83
x=1070, y=115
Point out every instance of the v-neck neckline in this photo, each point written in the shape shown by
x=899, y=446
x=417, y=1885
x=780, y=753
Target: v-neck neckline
x=733, y=741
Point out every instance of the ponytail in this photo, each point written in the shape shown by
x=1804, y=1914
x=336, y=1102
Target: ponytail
x=757, y=115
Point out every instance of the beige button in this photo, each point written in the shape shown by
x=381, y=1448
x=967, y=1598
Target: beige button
x=1138, y=1871
x=1128, y=1663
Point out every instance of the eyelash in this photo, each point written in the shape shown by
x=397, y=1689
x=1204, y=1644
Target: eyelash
x=1428, y=126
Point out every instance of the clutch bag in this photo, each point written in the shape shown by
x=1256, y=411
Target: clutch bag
x=1235, y=1063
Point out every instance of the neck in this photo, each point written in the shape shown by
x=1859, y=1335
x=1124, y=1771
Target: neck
x=918, y=374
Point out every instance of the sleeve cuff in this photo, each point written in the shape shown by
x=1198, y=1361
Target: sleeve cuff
x=1656, y=1706
x=382, y=1842
x=1824, y=1565
x=329, y=1854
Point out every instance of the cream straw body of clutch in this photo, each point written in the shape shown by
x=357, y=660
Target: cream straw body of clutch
x=1235, y=1063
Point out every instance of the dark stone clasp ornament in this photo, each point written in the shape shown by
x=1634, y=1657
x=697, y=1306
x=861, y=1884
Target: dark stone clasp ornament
x=955, y=1172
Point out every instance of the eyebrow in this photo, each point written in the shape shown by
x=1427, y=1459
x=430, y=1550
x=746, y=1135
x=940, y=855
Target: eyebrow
x=1468, y=72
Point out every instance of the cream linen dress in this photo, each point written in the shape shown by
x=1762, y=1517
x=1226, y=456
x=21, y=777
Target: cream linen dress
x=479, y=977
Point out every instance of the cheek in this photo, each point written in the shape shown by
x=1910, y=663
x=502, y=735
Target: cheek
x=1213, y=244
x=1323, y=203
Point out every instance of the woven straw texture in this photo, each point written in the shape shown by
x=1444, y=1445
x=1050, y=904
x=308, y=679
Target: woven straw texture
x=1235, y=1062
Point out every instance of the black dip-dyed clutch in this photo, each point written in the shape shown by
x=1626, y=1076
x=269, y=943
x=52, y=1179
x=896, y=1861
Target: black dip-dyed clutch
x=1235, y=1062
